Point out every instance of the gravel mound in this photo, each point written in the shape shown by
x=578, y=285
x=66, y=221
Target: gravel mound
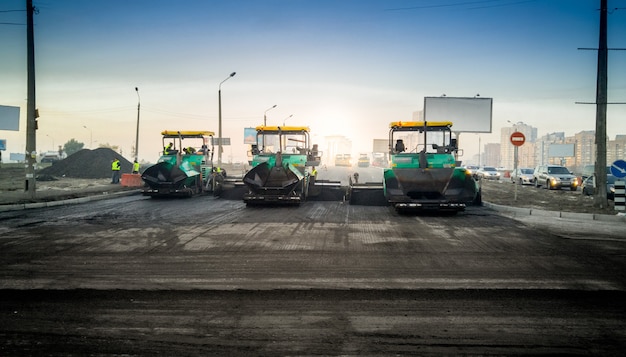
x=91, y=164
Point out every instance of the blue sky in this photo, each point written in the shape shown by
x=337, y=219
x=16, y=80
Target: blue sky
x=345, y=67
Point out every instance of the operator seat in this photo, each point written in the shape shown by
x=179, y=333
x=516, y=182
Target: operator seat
x=400, y=146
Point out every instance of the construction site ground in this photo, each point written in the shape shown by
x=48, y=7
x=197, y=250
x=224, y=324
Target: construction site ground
x=500, y=192
x=202, y=276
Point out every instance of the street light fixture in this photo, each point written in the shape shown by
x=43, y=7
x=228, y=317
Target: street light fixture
x=137, y=135
x=265, y=115
x=219, y=100
x=286, y=119
x=90, y=136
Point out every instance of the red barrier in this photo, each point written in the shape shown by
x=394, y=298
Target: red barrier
x=131, y=180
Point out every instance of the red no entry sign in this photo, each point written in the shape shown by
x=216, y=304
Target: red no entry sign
x=518, y=138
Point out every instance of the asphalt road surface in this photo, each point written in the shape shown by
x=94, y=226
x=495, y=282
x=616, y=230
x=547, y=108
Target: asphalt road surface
x=204, y=276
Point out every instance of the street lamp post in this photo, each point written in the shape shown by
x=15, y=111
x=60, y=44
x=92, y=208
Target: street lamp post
x=137, y=134
x=90, y=136
x=265, y=115
x=219, y=100
x=284, y=120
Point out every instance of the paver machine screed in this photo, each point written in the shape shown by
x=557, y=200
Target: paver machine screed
x=423, y=175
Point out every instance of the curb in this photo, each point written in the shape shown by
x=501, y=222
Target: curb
x=518, y=211
x=71, y=201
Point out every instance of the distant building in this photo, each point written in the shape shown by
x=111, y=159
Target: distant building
x=616, y=149
x=584, y=152
x=580, y=149
x=418, y=116
x=526, y=152
x=542, y=147
x=491, y=156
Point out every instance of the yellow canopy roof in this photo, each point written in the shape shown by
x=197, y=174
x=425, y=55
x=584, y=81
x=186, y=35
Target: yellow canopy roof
x=282, y=128
x=408, y=124
x=186, y=133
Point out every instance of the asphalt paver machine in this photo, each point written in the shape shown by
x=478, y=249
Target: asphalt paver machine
x=424, y=174
x=283, y=168
x=185, y=168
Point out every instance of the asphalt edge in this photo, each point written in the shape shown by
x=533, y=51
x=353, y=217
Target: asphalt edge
x=71, y=201
x=519, y=211
x=512, y=211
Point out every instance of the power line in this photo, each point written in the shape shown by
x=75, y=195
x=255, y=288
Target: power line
x=460, y=4
x=12, y=23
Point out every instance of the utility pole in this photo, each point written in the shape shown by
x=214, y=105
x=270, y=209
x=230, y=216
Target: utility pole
x=137, y=133
x=600, y=172
x=31, y=124
x=600, y=199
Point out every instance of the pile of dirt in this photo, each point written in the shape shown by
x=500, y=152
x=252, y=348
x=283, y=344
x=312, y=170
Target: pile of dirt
x=90, y=164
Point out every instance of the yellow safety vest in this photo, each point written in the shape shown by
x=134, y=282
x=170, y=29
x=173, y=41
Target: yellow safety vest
x=136, y=166
x=115, y=166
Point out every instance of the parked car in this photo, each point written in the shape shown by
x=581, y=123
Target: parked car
x=523, y=176
x=588, y=171
x=379, y=160
x=488, y=173
x=589, y=188
x=554, y=177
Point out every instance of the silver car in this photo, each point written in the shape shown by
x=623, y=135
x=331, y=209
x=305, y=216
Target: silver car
x=523, y=176
x=554, y=177
x=488, y=173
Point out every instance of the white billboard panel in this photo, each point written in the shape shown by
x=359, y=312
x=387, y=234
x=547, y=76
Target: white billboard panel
x=561, y=150
x=9, y=118
x=467, y=114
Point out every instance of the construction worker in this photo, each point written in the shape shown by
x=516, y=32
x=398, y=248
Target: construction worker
x=168, y=149
x=135, y=167
x=313, y=175
x=115, y=169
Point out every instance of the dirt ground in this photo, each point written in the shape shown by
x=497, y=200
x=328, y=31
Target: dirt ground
x=50, y=188
x=500, y=192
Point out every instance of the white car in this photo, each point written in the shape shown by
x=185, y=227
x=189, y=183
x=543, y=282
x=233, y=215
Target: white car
x=488, y=173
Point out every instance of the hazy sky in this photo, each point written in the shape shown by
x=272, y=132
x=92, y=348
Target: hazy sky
x=341, y=67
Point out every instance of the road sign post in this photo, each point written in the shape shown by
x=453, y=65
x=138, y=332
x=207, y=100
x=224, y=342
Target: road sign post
x=618, y=169
x=517, y=139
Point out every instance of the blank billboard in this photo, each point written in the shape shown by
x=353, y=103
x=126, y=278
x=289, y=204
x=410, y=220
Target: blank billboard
x=468, y=115
x=561, y=150
x=9, y=118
